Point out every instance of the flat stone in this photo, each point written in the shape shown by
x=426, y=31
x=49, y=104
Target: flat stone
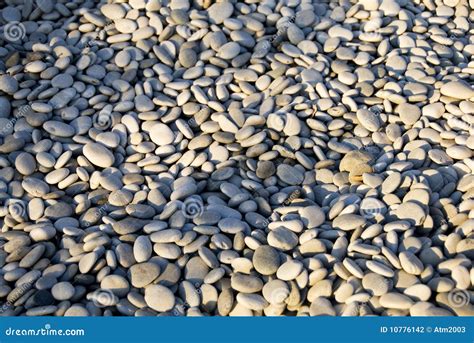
x=128, y=225
x=457, y=90
x=143, y=274
x=376, y=284
x=159, y=298
x=411, y=212
x=289, y=174
x=411, y=263
x=98, y=155
x=220, y=11
x=161, y=134
x=321, y=307
x=289, y=270
x=117, y=284
x=409, y=114
x=63, y=291
x=246, y=283
x=266, y=260
x=348, y=222
x=368, y=119
x=312, y=216
x=396, y=301
x=282, y=239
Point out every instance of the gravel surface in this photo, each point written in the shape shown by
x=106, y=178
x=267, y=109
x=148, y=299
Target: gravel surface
x=237, y=158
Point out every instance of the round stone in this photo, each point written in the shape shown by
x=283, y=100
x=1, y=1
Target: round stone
x=411, y=212
x=117, y=284
x=142, y=249
x=161, y=134
x=409, y=114
x=266, y=260
x=229, y=50
x=418, y=292
x=265, y=169
x=348, y=222
x=98, y=155
x=8, y=84
x=159, y=298
x=143, y=274
x=368, y=119
x=63, y=291
x=25, y=163
x=62, y=81
x=282, y=239
x=375, y=284
x=220, y=11
x=289, y=174
x=457, y=90
x=411, y=263
x=113, y=11
x=395, y=301
x=187, y=58
x=312, y=216
x=246, y=283
x=289, y=270
x=276, y=292
x=5, y=108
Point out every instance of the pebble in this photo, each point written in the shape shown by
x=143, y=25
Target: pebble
x=457, y=90
x=63, y=291
x=282, y=239
x=25, y=163
x=116, y=284
x=289, y=174
x=410, y=263
x=411, y=212
x=226, y=158
x=375, y=284
x=348, y=222
x=161, y=134
x=394, y=300
x=98, y=155
x=159, y=298
x=143, y=274
x=219, y=12
x=409, y=114
x=266, y=260
x=368, y=119
x=289, y=270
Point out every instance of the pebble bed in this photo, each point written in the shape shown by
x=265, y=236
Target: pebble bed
x=237, y=158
